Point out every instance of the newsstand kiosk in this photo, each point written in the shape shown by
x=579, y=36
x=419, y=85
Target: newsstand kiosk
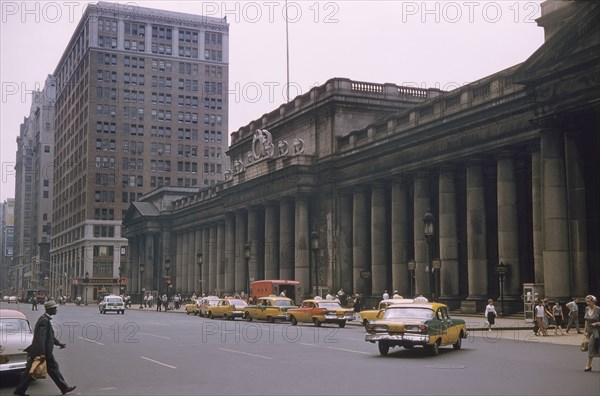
x=532, y=292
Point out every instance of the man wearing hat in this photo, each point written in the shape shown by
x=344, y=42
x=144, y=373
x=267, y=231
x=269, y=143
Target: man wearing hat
x=42, y=345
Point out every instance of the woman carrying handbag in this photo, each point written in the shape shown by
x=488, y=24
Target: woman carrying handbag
x=592, y=330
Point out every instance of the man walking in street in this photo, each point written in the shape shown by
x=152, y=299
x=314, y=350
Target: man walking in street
x=34, y=303
x=42, y=345
x=573, y=315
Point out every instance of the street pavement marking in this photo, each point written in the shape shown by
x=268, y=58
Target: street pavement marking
x=245, y=353
x=88, y=340
x=154, y=335
x=338, y=349
x=157, y=362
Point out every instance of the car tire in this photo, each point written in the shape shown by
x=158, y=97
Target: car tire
x=210, y=315
x=434, y=349
x=316, y=322
x=248, y=317
x=458, y=344
x=384, y=348
x=293, y=320
x=270, y=319
x=342, y=324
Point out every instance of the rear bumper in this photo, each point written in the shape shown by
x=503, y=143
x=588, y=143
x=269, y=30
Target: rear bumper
x=15, y=363
x=415, y=339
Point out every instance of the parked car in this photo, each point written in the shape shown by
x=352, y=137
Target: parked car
x=112, y=303
x=15, y=336
x=206, y=302
x=228, y=308
x=426, y=324
x=269, y=308
x=372, y=314
x=320, y=311
x=13, y=299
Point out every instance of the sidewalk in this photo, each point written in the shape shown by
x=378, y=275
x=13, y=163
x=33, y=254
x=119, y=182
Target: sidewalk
x=511, y=327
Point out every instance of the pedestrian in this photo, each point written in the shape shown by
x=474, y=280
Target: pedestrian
x=396, y=295
x=42, y=345
x=547, y=315
x=176, y=299
x=558, y=317
x=573, y=315
x=165, y=301
x=329, y=296
x=385, y=296
x=282, y=294
x=145, y=300
x=591, y=329
x=343, y=298
x=539, y=318
x=150, y=301
x=490, y=314
x=357, y=303
x=158, y=304
x=34, y=303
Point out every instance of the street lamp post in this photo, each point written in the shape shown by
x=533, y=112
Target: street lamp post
x=436, y=265
x=428, y=233
x=199, y=262
x=501, y=270
x=141, y=285
x=314, y=246
x=411, y=268
x=167, y=268
x=87, y=280
x=247, y=256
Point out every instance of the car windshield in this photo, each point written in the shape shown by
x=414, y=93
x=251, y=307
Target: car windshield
x=408, y=313
x=238, y=303
x=332, y=305
x=212, y=302
x=13, y=326
x=282, y=303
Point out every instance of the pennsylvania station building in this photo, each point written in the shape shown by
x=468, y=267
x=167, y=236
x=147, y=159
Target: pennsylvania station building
x=459, y=196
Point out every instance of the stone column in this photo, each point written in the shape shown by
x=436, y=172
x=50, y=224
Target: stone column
x=508, y=226
x=421, y=204
x=255, y=246
x=536, y=209
x=220, y=257
x=286, y=239
x=557, y=277
x=345, y=241
x=360, y=239
x=206, y=267
x=379, y=240
x=448, y=276
x=271, y=241
x=229, y=253
x=134, y=272
x=476, y=241
x=193, y=269
x=241, y=271
x=149, y=265
x=212, y=258
x=577, y=215
x=185, y=265
x=302, y=268
x=168, y=253
x=400, y=273
x=177, y=265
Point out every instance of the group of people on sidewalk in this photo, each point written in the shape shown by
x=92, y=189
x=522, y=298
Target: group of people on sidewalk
x=545, y=313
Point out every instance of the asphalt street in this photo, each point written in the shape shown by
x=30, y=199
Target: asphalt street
x=158, y=353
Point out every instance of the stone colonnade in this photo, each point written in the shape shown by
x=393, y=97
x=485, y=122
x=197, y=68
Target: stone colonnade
x=378, y=228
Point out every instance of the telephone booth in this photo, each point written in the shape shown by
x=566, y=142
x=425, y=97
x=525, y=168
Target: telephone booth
x=532, y=292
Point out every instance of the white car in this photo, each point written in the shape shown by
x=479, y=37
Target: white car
x=13, y=299
x=112, y=303
x=15, y=336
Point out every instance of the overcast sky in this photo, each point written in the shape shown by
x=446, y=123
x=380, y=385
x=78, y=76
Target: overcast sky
x=441, y=44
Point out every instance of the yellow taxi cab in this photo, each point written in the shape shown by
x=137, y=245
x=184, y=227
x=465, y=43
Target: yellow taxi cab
x=426, y=324
x=205, y=303
x=228, y=308
x=269, y=308
x=372, y=314
x=320, y=311
x=192, y=307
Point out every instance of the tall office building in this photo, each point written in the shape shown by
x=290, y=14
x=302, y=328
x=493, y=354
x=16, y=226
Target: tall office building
x=33, y=190
x=141, y=104
x=7, y=223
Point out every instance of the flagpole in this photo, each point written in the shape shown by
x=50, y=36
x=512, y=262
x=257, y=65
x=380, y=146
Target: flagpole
x=287, y=48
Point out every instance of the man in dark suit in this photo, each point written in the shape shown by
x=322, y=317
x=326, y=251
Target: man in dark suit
x=42, y=345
